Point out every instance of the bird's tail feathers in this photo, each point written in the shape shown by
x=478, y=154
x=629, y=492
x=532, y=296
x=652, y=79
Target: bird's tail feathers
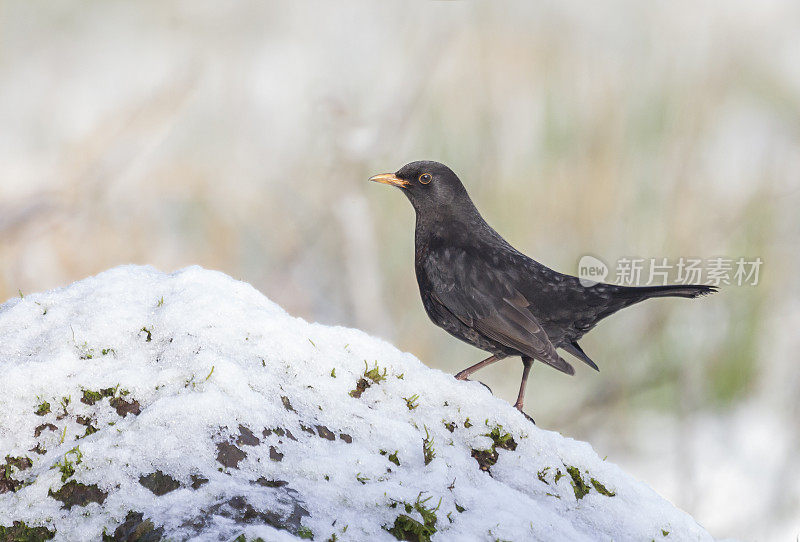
x=575, y=349
x=677, y=290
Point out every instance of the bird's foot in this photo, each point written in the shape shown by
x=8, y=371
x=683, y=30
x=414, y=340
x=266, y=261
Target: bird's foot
x=518, y=406
x=463, y=375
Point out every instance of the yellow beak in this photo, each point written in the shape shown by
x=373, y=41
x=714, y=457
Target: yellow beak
x=389, y=178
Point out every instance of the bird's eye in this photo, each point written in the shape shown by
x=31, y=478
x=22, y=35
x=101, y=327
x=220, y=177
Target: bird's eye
x=425, y=178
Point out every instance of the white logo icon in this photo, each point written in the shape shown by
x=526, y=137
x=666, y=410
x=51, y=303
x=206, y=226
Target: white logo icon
x=591, y=270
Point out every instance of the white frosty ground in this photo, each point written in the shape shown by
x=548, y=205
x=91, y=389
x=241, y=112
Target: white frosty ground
x=232, y=390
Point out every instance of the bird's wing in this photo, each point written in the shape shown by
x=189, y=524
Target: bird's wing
x=485, y=299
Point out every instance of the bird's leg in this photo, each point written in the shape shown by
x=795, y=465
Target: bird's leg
x=480, y=365
x=528, y=363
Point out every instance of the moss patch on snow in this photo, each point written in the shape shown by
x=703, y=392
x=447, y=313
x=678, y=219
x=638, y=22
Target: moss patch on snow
x=76, y=494
x=20, y=532
x=406, y=527
x=500, y=439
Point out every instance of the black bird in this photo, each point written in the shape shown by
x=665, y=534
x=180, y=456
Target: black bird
x=480, y=289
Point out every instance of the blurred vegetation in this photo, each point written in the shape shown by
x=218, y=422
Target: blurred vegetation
x=240, y=138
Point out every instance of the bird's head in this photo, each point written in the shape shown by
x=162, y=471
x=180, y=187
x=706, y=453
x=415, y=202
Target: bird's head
x=430, y=186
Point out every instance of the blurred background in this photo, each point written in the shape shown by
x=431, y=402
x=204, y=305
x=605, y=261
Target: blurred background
x=240, y=136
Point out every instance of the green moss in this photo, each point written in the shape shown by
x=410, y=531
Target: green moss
x=578, y=485
x=7, y=483
x=42, y=409
x=361, y=387
x=428, y=451
x=601, y=489
x=305, y=533
x=64, y=403
x=91, y=397
x=333, y=372
x=412, y=402
x=407, y=528
x=67, y=467
x=502, y=439
x=467, y=423
x=664, y=532
x=485, y=458
x=375, y=373
x=149, y=334
x=542, y=475
x=20, y=532
x=392, y=457
x=22, y=462
x=85, y=351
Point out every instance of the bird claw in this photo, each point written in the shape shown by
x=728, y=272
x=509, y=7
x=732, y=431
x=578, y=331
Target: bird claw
x=465, y=379
x=529, y=418
x=518, y=406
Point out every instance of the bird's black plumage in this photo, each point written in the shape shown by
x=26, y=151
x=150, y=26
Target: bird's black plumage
x=480, y=289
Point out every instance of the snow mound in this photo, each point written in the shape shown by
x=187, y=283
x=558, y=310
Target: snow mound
x=138, y=405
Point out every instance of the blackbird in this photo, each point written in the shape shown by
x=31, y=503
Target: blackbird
x=480, y=289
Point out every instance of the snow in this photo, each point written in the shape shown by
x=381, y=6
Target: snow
x=222, y=375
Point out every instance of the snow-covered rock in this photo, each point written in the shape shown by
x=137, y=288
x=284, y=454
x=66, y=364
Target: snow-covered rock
x=146, y=405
